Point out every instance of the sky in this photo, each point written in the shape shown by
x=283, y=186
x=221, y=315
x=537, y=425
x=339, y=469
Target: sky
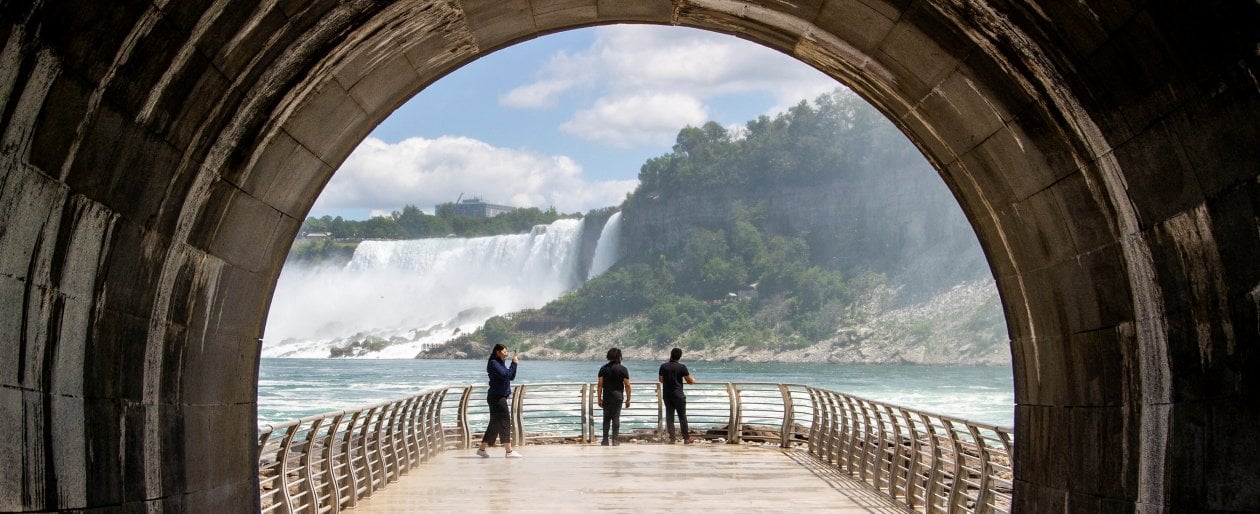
x=564, y=120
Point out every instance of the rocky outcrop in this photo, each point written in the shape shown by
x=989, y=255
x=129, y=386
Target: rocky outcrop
x=592, y=227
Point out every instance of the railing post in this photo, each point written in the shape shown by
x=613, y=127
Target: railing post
x=307, y=473
x=389, y=441
x=835, y=421
x=824, y=413
x=407, y=435
x=398, y=427
x=331, y=480
x=786, y=431
x=365, y=441
x=418, y=429
x=835, y=439
x=914, y=463
x=986, y=470
x=382, y=459
x=1006, y=444
x=431, y=419
x=894, y=451
x=518, y=417
x=870, y=453
x=263, y=438
x=846, y=436
x=853, y=455
x=660, y=410
x=958, y=465
x=425, y=438
x=398, y=438
x=286, y=506
x=935, y=480
x=815, y=425
x=463, y=418
x=587, y=416
x=350, y=448
x=734, y=431
x=884, y=455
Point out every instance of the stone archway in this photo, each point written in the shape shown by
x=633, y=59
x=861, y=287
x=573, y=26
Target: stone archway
x=156, y=159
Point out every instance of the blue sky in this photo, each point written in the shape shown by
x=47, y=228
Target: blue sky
x=564, y=120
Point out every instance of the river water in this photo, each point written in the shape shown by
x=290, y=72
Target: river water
x=294, y=388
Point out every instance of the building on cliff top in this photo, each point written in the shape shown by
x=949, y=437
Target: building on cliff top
x=474, y=208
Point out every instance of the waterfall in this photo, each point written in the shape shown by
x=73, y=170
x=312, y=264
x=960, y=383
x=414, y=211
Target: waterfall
x=420, y=292
x=608, y=248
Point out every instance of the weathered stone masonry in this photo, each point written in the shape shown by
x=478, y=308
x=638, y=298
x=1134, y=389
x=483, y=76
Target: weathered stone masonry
x=156, y=158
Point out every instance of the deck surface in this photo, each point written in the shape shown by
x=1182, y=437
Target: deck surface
x=697, y=479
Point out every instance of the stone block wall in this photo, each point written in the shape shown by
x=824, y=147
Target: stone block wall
x=156, y=158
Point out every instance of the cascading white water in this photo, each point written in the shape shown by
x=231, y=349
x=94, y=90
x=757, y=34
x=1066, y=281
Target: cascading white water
x=608, y=248
x=420, y=292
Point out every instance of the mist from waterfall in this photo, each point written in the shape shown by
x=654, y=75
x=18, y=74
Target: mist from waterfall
x=420, y=292
x=608, y=249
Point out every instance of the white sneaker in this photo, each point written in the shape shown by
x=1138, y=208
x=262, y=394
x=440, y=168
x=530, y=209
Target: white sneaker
x=481, y=452
x=513, y=455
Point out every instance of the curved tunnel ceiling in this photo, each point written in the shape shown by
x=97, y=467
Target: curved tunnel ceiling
x=158, y=159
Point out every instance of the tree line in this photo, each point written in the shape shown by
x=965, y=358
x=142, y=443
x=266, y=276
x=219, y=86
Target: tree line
x=413, y=223
x=410, y=223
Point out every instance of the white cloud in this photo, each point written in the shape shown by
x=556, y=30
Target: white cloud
x=384, y=177
x=538, y=95
x=629, y=64
x=706, y=64
x=632, y=121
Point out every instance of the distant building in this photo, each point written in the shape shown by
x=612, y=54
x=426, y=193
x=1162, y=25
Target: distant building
x=475, y=208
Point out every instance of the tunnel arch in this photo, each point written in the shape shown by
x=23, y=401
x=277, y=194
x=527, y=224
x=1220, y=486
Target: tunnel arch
x=158, y=159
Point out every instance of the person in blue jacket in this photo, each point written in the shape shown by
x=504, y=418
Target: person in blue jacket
x=501, y=376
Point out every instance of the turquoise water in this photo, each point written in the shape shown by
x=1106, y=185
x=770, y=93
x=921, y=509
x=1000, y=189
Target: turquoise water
x=294, y=388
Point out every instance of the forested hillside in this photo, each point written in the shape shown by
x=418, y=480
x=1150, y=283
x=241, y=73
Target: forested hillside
x=783, y=237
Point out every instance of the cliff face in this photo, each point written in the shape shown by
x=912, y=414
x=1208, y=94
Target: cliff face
x=592, y=226
x=902, y=222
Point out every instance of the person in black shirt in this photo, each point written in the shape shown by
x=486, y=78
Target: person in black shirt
x=672, y=375
x=613, y=379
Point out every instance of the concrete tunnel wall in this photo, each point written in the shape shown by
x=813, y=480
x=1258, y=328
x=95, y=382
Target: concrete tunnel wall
x=157, y=158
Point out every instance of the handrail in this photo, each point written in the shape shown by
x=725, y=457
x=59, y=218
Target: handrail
x=928, y=462
x=328, y=462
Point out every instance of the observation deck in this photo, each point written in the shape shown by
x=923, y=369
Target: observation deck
x=762, y=447
x=628, y=478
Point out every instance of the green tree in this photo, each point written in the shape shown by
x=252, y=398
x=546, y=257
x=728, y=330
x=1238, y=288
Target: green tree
x=498, y=330
x=707, y=269
x=380, y=227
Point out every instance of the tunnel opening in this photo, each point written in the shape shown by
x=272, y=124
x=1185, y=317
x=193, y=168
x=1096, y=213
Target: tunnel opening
x=145, y=225
x=353, y=302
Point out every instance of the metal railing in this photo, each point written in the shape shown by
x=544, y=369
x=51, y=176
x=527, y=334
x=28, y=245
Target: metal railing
x=326, y=463
x=928, y=462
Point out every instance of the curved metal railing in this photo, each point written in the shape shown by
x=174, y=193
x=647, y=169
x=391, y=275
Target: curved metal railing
x=326, y=463
x=928, y=462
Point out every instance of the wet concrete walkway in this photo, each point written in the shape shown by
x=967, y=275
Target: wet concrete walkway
x=628, y=478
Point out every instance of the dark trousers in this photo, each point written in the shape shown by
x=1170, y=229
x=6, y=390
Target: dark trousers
x=612, y=413
x=500, y=422
x=676, y=403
